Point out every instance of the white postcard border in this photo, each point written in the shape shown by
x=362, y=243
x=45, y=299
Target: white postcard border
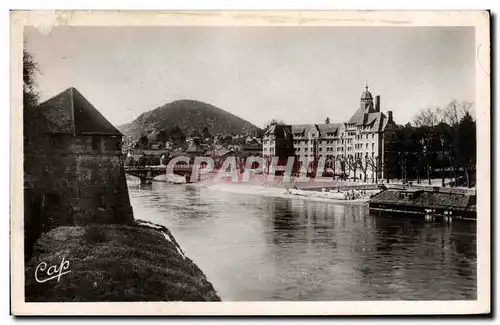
x=46, y=20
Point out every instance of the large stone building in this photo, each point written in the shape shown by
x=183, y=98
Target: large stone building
x=353, y=149
x=74, y=171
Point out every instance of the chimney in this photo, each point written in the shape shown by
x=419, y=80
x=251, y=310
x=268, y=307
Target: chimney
x=377, y=103
x=390, y=116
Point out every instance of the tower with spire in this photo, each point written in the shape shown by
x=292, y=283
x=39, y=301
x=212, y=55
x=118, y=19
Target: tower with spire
x=367, y=100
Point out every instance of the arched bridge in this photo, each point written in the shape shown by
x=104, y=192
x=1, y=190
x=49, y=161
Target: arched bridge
x=147, y=173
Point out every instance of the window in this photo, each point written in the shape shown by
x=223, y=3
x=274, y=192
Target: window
x=320, y=149
x=96, y=142
x=373, y=135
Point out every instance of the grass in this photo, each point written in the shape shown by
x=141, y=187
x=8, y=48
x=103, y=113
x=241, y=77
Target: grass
x=115, y=263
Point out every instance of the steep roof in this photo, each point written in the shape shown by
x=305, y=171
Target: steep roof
x=302, y=128
x=330, y=127
x=279, y=130
x=70, y=112
x=375, y=120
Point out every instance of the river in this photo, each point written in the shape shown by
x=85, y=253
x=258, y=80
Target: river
x=254, y=245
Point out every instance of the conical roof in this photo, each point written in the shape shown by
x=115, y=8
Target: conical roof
x=70, y=112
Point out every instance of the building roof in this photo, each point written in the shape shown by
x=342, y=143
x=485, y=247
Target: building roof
x=366, y=94
x=221, y=152
x=303, y=128
x=424, y=198
x=330, y=127
x=70, y=112
x=376, y=120
x=195, y=148
x=279, y=130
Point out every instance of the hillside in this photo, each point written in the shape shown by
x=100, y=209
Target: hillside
x=189, y=116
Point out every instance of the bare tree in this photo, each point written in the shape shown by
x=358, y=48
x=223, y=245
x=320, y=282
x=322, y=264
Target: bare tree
x=342, y=164
x=362, y=163
x=374, y=165
x=452, y=115
x=352, y=165
x=455, y=111
x=428, y=117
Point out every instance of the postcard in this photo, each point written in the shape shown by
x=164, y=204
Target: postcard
x=250, y=162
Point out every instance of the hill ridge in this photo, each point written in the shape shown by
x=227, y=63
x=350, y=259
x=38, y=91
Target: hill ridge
x=189, y=115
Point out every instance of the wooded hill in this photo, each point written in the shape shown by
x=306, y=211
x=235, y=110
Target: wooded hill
x=190, y=116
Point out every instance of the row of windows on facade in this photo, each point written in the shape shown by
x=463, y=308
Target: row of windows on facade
x=357, y=155
x=357, y=146
x=352, y=134
x=326, y=141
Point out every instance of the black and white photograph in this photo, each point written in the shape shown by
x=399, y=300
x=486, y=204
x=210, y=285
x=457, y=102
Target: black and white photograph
x=296, y=160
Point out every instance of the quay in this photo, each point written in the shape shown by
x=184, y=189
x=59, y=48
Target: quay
x=432, y=203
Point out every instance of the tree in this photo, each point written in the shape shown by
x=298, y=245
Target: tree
x=427, y=117
x=373, y=163
x=36, y=178
x=206, y=134
x=466, y=153
x=30, y=71
x=177, y=135
x=143, y=142
x=327, y=120
x=352, y=165
x=163, y=136
x=342, y=165
x=362, y=163
x=455, y=111
x=403, y=144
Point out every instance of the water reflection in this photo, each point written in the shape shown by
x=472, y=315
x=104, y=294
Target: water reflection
x=261, y=248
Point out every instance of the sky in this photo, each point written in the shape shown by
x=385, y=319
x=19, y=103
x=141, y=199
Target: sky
x=295, y=74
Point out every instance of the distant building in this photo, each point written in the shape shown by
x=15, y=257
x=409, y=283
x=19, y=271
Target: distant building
x=349, y=148
x=252, y=149
x=278, y=142
x=80, y=176
x=139, y=157
x=195, y=148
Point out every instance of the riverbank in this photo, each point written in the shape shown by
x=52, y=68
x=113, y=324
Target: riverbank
x=138, y=262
